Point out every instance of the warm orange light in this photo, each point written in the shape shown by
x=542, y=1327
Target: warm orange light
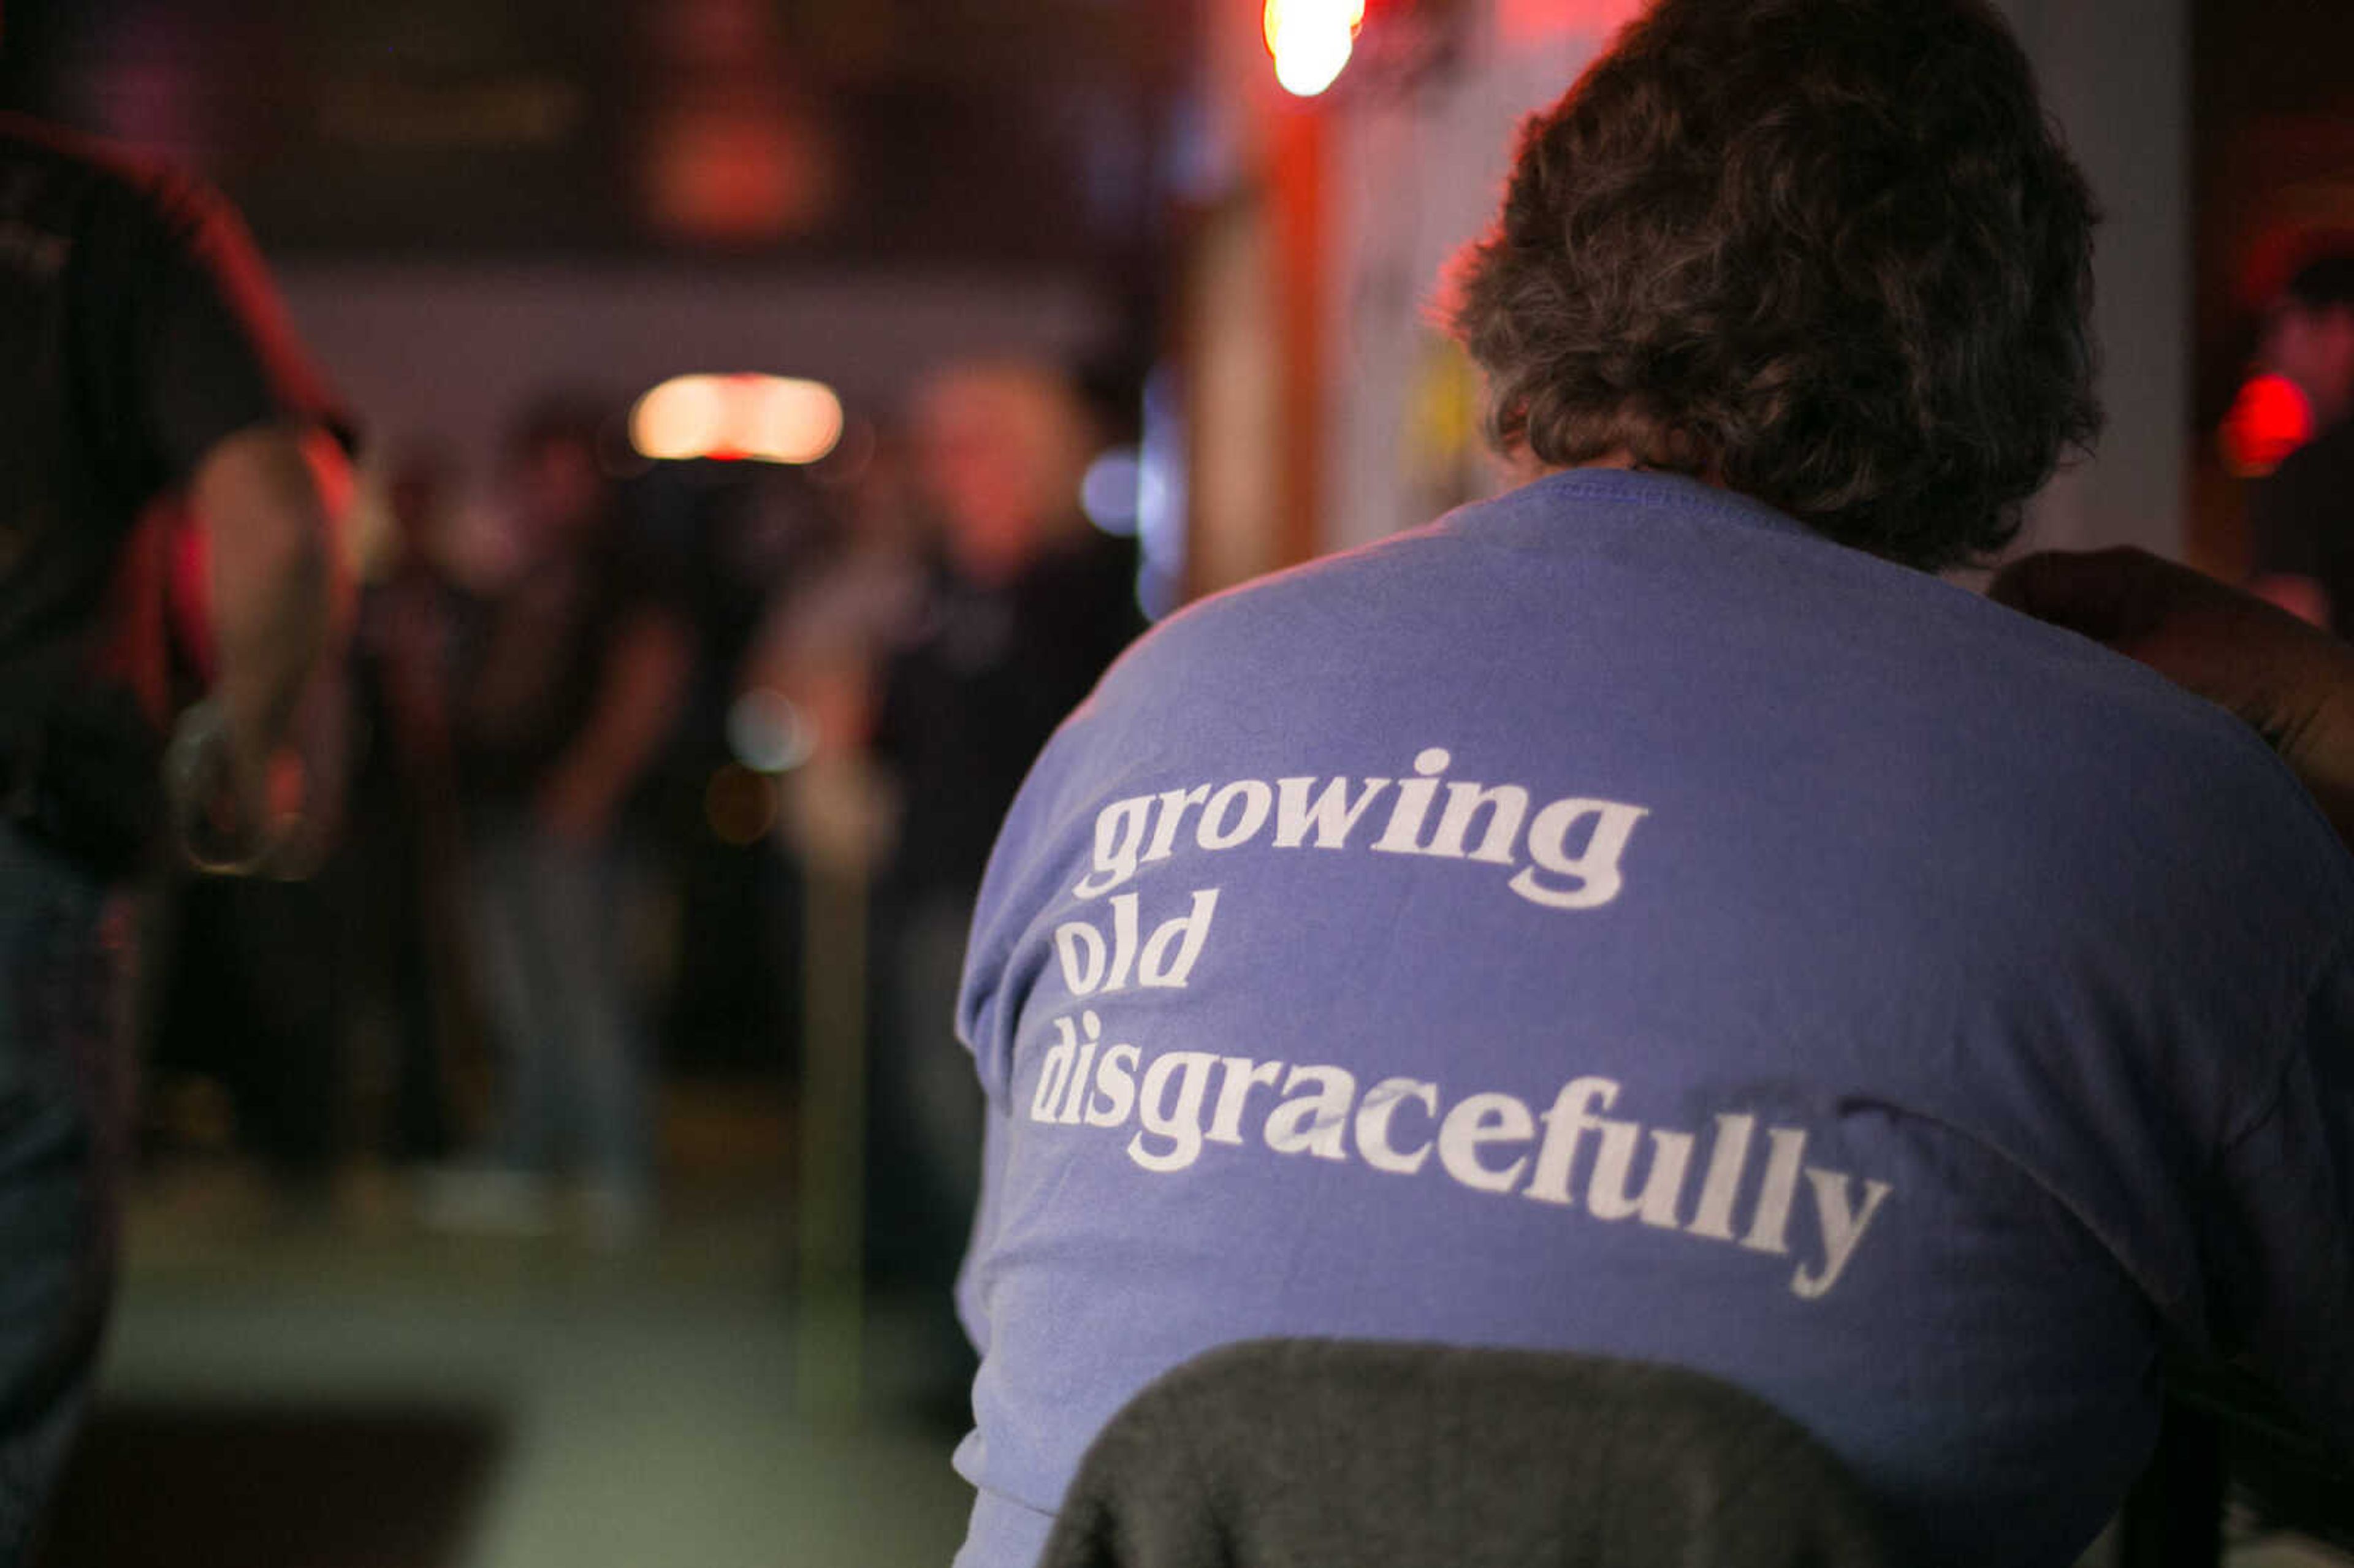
x=788, y=421
x=684, y=416
x=1312, y=42
x=2269, y=419
x=769, y=419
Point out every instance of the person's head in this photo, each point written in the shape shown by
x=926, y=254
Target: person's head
x=554, y=470
x=414, y=495
x=1827, y=253
x=1001, y=448
x=2309, y=335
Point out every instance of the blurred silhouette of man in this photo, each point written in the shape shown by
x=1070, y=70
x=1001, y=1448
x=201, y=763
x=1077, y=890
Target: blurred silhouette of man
x=1649, y=914
x=2302, y=513
x=401, y=861
x=1028, y=602
x=147, y=359
x=582, y=661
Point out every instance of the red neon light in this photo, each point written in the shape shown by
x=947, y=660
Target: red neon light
x=2269, y=419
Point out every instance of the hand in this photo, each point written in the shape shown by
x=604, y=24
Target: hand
x=2294, y=684
x=235, y=809
x=840, y=814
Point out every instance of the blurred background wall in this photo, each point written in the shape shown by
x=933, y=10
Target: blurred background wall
x=500, y=329
x=844, y=181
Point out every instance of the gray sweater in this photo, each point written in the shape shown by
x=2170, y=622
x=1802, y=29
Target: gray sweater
x=1341, y=1453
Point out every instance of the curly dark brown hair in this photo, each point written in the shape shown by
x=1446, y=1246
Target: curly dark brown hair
x=1828, y=253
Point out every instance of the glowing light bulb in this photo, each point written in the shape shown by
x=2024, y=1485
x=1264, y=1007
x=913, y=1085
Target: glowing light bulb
x=772, y=419
x=789, y=421
x=2269, y=419
x=1312, y=42
x=684, y=416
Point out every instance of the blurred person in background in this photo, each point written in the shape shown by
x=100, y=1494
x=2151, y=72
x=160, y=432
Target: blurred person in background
x=1027, y=603
x=1651, y=916
x=824, y=646
x=401, y=870
x=2302, y=513
x=815, y=665
x=583, y=660
x=148, y=359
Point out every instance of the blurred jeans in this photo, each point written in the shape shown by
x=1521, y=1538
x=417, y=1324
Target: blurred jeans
x=64, y=954
x=925, y=1119
x=925, y=1089
x=556, y=979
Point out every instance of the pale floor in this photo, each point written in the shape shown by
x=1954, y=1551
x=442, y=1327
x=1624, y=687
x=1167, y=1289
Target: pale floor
x=657, y=1405
x=652, y=1400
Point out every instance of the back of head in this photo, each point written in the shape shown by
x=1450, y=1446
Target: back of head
x=1826, y=252
x=554, y=463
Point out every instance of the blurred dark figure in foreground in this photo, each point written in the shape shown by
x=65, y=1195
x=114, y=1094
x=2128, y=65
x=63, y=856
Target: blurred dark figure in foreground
x=1028, y=603
x=2302, y=514
x=146, y=356
x=400, y=868
x=1650, y=913
x=582, y=664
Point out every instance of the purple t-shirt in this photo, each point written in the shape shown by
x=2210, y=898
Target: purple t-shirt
x=1614, y=919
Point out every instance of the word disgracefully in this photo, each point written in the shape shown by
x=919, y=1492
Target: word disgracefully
x=1567, y=853
x=1489, y=1142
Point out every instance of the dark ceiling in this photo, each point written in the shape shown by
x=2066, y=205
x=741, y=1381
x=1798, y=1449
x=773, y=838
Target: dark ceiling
x=958, y=131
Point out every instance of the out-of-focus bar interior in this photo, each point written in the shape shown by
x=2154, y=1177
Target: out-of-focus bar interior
x=790, y=297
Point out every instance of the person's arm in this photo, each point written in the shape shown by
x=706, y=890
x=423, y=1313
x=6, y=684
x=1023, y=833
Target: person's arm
x=2286, y=518
x=2278, y=1225
x=2293, y=683
x=2278, y=1203
x=265, y=497
x=971, y=1299
x=2302, y=597
x=637, y=702
x=216, y=392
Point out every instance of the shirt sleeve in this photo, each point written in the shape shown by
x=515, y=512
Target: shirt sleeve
x=2281, y=1226
x=215, y=353
x=971, y=1302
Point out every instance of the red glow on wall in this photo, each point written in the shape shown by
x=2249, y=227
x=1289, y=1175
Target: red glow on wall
x=1523, y=22
x=736, y=175
x=2269, y=419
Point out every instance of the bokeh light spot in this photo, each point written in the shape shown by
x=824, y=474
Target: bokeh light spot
x=770, y=419
x=2270, y=418
x=1112, y=493
x=766, y=731
x=1312, y=42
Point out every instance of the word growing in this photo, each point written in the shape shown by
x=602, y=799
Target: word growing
x=1572, y=846
x=1488, y=1142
